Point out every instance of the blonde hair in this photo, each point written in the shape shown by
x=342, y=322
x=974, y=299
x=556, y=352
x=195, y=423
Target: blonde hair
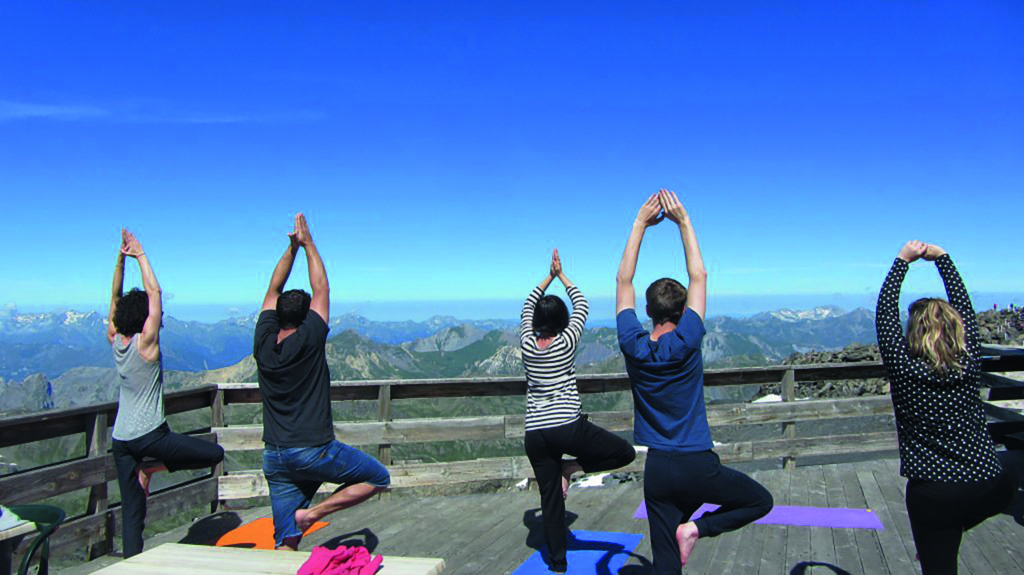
x=935, y=333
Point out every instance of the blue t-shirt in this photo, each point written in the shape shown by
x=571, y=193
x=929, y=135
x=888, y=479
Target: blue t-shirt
x=667, y=378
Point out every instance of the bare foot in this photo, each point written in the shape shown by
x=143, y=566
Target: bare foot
x=568, y=468
x=686, y=536
x=303, y=520
x=144, y=477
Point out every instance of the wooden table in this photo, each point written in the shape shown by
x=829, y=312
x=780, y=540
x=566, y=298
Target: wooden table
x=9, y=539
x=172, y=558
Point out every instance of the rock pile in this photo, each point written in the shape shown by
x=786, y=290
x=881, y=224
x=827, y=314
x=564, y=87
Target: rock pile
x=1002, y=327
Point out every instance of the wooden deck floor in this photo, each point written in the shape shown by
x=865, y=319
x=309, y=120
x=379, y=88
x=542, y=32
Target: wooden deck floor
x=485, y=534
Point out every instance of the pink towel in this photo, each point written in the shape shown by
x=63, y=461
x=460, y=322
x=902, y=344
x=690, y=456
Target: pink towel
x=340, y=561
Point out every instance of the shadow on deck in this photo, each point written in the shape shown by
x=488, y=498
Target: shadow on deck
x=495, y=533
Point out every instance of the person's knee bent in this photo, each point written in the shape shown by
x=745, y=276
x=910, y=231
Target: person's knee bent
x=765, y=502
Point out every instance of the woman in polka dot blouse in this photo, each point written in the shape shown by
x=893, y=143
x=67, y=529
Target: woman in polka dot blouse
x=955, y=480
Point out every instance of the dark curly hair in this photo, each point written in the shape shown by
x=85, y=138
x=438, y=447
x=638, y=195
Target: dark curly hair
x=550, y=316
x=292, y=307
x=666, y=300
x=131, y=312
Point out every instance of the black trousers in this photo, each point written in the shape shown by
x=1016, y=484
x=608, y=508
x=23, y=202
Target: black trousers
x=175, y=451
x=595, y=450
x=940, y=513
x=677, y=484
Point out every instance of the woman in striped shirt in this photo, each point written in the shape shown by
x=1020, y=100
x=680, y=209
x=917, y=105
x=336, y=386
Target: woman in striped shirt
x=555, y=424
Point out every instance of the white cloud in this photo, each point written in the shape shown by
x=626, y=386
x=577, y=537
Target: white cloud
x=22, y=110
x=10, y=110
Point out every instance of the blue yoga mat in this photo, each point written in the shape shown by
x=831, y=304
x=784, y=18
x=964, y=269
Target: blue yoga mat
x=590, y=553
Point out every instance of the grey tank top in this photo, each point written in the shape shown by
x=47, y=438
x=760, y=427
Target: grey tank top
x=140, y=401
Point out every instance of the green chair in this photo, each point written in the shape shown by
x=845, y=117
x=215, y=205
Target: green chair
x=46, y=518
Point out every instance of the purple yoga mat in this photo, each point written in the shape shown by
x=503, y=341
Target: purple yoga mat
x=835, y=517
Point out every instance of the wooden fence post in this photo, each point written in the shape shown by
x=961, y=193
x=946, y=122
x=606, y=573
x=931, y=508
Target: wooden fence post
x=789, y=427
x=96, y=446
x=384, y=401
x=217, y=420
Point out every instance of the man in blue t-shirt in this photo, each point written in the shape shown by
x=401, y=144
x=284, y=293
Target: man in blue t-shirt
x=666, y=371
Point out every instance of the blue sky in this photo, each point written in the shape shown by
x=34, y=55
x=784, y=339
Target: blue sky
x=441, y=149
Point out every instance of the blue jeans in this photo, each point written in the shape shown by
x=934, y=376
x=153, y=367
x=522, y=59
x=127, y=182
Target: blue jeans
x=295, y=473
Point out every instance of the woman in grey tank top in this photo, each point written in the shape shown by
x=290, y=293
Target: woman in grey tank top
x=140, y=429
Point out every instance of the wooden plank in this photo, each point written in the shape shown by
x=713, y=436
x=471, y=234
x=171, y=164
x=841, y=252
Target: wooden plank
x=773, y=556
x=725, y=553
x=245, y=484
x=398, y=432
x=44, y=482
x=798, y=538
x=827, y=445
x=822, y=543
x=993, y=380
x=999, y=541
x=867, y=541
x=78, y=533
x=897, y=559
x=177, y=558
x=58, y=423
x=406, y=431
x=589, y=383
x=888, y=482
x=990, y=549
x=474, y=554
x=846, y=553
x=810, y=410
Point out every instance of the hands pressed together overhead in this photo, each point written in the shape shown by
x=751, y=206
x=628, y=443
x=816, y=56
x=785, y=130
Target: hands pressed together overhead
x=300, y=236
x=130, y=246
x=659, y=206
x=556, y=264
x=915, y=250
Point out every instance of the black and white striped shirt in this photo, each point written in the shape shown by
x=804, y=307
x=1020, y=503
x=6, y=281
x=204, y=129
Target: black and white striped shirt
x=551, y=395
x=940, y=422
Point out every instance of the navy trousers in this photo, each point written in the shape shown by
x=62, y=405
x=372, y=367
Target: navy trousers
x=176, y=451
x=677, y=484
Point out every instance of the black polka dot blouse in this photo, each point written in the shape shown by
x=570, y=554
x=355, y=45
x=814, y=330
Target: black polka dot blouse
x=940, y=422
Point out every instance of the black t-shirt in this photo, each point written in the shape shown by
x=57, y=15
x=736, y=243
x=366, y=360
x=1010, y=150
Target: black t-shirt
x=294, y=382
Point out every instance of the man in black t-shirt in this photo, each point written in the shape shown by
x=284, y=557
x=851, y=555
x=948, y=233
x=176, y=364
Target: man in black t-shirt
x=300, y=451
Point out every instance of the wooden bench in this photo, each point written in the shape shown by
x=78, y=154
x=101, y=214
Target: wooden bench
x=173, y=558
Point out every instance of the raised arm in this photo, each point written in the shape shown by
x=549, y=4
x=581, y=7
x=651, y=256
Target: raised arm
x=697, y=291
x=282, y=270
x=321, y=302
x=649, y=215
x=580, y=308
x=116, y=291
x=149, y=339
x=956, y=293
x=892, y=344
x=526, y=317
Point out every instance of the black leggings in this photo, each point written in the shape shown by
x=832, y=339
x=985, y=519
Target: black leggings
x=940, y=513
x=175, y=451
x=677, y=484
x=595, y=450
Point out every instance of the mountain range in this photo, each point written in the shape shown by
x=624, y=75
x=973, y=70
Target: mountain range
x=62, y=359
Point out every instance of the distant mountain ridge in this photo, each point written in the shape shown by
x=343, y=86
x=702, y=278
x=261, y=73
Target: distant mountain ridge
x=358, y=348
x=54, y=342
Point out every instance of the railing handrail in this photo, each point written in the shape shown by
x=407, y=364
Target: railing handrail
x=95, y=470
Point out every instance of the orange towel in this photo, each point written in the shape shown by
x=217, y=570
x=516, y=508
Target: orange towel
x=258, y=534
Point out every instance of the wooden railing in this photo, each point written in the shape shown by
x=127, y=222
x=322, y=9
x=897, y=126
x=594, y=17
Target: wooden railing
x=94, y=468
